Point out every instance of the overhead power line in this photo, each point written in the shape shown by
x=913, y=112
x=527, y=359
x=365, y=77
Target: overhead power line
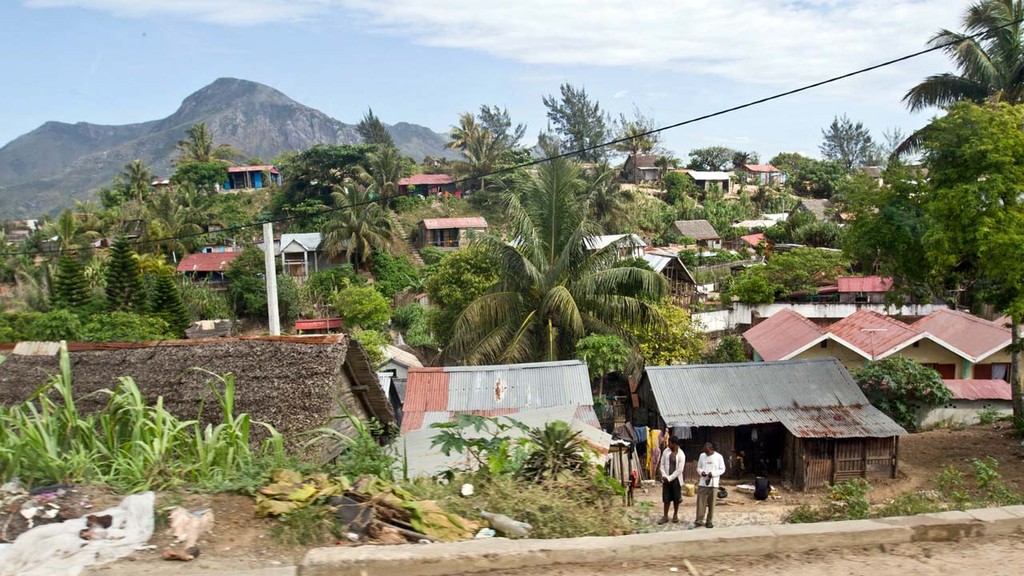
x=572, y=153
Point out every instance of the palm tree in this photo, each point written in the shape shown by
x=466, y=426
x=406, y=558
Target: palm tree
x=606, y=199
x=70, y=231
x=199, y=147
x=386, y=167
x=137, y=178
x=480, y=149
x=991, y=67
x=553, y=290
x=358, y=226
x=171, y=218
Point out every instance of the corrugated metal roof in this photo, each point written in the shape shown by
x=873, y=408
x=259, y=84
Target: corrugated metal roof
x=873, y=333
x=811, y=398
x=754, y=239
x=403, y=357
x=761, y=168
x=495, y=390
x=702, y=175
x=462, y=222
x=782, y=334
x=599, y=242
x=657, y=262
x=262, y=168
x=864, y=283
x=974, y=336
x=426, y=180
x=979, y=389
x=310, y=241
x=213, y=262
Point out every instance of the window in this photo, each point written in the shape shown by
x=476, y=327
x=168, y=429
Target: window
x=946, y=371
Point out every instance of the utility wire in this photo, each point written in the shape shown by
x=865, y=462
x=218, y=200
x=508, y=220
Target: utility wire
x=572, y=153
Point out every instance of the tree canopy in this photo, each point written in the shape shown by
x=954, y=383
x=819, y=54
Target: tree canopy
x=578, y=121
x=849, y=143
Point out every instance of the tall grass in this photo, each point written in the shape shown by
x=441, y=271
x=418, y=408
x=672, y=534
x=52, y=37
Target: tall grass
x=129, y=444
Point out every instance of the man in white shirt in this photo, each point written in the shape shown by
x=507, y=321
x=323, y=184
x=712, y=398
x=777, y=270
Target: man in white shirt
x=710, y=466
x=671, y=468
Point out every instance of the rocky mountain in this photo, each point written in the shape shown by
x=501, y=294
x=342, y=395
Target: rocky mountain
x=42, y=171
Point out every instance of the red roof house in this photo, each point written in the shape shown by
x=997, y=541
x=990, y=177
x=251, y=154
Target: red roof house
x=213, y=262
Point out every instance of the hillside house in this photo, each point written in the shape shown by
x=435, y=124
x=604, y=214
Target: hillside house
x=207, y=268
x=701, y=231
x=806, y=422
x=762, y=174
x=251, y=177
x=970, y=399
x=449, y=233
x=641, y=169
x=682, y=285
x=821, y=209
x=955, y=344
x=708, y=181
x=863, y=289
x=629, y=245
x=303, y=254
x=427, y=185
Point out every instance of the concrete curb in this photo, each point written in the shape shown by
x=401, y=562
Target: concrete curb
x=476, y=556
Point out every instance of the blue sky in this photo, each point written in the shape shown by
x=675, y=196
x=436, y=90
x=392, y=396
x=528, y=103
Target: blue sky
x=426, y=61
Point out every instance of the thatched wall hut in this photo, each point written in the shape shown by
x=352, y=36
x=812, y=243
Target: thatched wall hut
x=294, y=384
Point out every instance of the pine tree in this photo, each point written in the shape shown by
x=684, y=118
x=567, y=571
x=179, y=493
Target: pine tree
x=167, y=302
x=70, y=289
x=124, y=279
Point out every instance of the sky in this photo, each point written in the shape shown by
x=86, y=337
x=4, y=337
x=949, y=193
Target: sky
x=427, y=61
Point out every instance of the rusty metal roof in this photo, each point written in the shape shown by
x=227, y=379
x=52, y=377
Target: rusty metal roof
x=872, y=334
x=460, y=222
x=811, y=398
x=979, y=389
x=434, y=394
x=864, y=284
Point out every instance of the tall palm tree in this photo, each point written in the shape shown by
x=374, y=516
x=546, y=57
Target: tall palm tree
x=170, y=217
x=386, y=168
x=70, y=231
x=991, y=67
x=136, y=178
x=358, y=226
x=553, y=289
x=481, y=151
x=199, y=147
x=606, y=199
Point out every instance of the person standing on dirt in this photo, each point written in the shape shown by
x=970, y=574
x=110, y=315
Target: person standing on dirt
x=710, y=466
x=672, y=461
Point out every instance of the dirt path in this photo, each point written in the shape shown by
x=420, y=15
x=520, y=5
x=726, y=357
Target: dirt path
x=991, y=557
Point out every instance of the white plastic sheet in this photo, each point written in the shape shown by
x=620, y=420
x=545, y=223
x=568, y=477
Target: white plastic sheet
x=59, y=549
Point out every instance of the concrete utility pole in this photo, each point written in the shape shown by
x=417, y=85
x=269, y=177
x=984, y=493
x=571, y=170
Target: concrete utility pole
x=270, y=264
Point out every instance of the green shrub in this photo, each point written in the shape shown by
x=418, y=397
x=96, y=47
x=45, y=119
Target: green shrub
x=900, y=387
x=408, y=316
x=127, y=327
x=361, y=307
x=55, y=325
x=393, y=273
x=373, y=342
x=908, y=505
x=205, y=303
x=988, y=415
x=431, y=255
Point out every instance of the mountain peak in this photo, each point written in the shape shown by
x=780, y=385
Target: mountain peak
x=227, y=93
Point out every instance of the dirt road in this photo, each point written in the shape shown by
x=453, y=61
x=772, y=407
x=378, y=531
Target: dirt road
x=990, y=557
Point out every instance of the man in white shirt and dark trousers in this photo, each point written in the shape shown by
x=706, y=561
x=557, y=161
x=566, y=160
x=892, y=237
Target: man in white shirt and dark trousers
x=671, y=468
x=710, y=466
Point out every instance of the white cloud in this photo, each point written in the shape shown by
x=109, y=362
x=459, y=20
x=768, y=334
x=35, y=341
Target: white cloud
x=226, y=12
x=621, y=94
x=769, y=42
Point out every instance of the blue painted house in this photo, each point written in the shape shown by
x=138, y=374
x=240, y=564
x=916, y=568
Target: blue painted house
x=252, y=177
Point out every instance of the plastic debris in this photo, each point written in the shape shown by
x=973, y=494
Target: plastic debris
x=187, y=526
x=467, y=490
x=352, y=537
x=506, y=525
x=486, y=533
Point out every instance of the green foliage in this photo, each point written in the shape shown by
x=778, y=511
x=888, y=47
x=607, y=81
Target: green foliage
x=484, y=441
x=247, y=288
x=373, y=342
x=988, y=415
x=679, y=186
x=604, y=354
x=578, y=121
x=307, y=526
x=729, y=349
x=373, y=131
x=127, y=327
x=360, y=453
x=205, y=303
x=130, y=444
x=404, y=204
x=70, y=290
x=361, y=306
x=123, y=277
x=752, y=288
x=53, y=326
x=556, y=452
x=204, y=176
x=316, y=172
x=850, y=144
x=900, y=387
x=460, y=278
x=800, y=269
x=711, y=158
x=846, y=500
x=167, y=304
x=358, y=226
x=677, y=340
x=393, y=273
x=413, y=321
